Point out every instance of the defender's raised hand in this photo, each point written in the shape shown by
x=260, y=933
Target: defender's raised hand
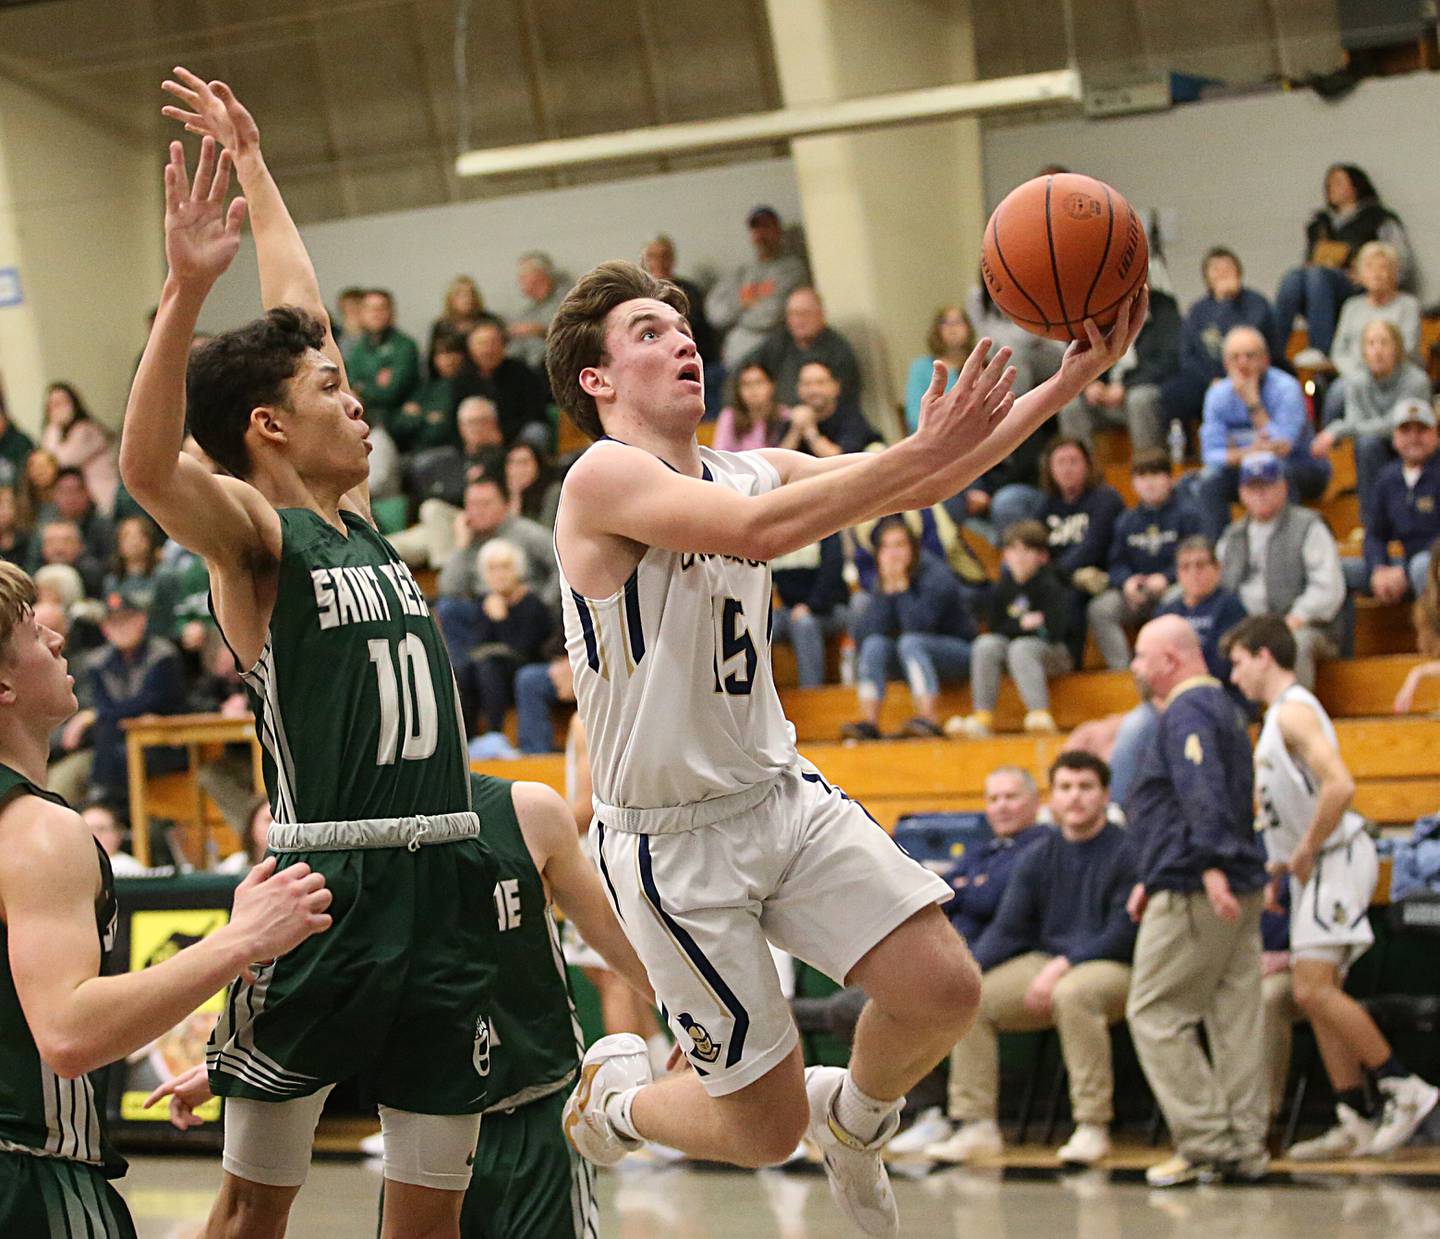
x=201, y=233
x=211, y=110
x=963, y=418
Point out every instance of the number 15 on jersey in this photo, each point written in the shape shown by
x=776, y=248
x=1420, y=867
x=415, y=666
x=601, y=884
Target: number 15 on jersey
x=735, y=656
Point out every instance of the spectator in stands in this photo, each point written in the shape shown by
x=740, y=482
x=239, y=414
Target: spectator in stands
x=70, y=501
x=350, y=329
x=1352, y=215
x=1227, y=304
x=1057, y=955
x=1029, y=619
x=110, y=835
x=1282, y=559
x=1198, y=901
x=538, y=686
x=1129, y=394
x=824, y=423
x=136, y=560
x=384, y=365
x=132, y=674
x=811, y=604
x=1256, y=407
x=254, y=836
x=1426, y=615
x=916, y=625
x=77, y=441
x=14, y=532
x=41, y=470
x=658, y=258
x=1368, y=399
x=1142, y=557
x=15, y=449
x=60, y=543
x=493, y=636
x=950, y=340
x=540, y=285
x=428, y=418
x=534, y=488
x=461, y=312
x=1404, y=506
x=517, y=390
x=805, y=336
x=750, y=303
x=1377, y=266
x=486, y=515
x=1080, y=512
x=751, y=418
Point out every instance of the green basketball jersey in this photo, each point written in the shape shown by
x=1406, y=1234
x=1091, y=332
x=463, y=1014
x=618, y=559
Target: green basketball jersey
x=353, y=693
x=40, y=1112
x=533, y=1025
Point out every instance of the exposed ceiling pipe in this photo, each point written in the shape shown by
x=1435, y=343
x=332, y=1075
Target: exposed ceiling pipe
x=848, y=115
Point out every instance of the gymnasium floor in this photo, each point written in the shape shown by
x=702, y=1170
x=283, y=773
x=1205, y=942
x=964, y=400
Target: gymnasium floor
x=170, y=1196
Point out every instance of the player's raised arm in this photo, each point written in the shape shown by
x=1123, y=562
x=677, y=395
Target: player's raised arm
x=221, y=519
x=48, y=883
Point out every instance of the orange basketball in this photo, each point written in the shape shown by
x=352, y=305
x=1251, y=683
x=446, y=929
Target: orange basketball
x=1061, y=249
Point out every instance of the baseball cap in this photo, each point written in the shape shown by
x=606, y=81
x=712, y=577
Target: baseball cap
x=1411, y=410
x=125, y=598
x=1260, y=467
x=757, y=213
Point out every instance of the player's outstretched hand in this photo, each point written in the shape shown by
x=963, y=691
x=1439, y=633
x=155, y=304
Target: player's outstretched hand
x=959, y=420
x=201, y=233
x=211, y=110
x=277, y=911
x=187, y=1092
x=1086, y=360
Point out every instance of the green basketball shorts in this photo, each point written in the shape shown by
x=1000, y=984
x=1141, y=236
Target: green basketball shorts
x=51, y=1198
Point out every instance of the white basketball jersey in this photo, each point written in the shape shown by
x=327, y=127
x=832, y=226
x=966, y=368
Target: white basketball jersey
x=673, y=678
x=1286, y=789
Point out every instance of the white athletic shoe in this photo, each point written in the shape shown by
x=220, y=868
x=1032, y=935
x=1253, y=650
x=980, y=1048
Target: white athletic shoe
x=1089, y=1144
x=858, y=1180
x=930, y=1128
x=610, y=1066
x=1352, y=1136
x=1408, y=1103
x=971, y=1141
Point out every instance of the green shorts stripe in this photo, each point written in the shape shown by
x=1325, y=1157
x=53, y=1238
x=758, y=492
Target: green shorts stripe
x=50, y=1198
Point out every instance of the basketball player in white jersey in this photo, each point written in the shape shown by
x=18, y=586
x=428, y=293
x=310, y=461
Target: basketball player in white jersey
x=1303, y=793
x=711, y=833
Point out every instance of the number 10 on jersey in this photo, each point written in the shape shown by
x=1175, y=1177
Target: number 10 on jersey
x=408, y=722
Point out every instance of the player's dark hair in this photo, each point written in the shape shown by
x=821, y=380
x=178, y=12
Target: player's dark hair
x=1078, y=759
x=1262, y=632
x=240, y=370
x=576, y=339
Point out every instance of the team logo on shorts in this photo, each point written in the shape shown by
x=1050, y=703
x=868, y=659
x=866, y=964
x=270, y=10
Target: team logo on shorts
x=705, y=1050
x=482, y=1047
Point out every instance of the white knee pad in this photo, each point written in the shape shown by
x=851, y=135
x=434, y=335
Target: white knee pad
x=429, y=1150
x=270, y=1142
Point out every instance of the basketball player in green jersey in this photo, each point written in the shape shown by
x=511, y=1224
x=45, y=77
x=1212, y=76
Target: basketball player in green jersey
x=356, y=706
x=528, y=1182
x=59, y=1018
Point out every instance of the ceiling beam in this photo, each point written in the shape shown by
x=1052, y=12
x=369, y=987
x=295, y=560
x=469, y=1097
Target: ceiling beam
x=849, y=115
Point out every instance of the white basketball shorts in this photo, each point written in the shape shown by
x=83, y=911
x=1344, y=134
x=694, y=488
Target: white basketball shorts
x=806, y=869
x=1329, y=915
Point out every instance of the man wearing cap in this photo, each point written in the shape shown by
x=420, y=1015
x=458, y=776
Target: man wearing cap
x=132, y=674
x=750, y=303
x=804, y=337
x=1404, y=505
x=1253, y=408
x=1281, y=559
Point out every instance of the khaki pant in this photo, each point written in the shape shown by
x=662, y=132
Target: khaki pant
x=1086, y=1001
x=1192, y=968
x=1280, y=1015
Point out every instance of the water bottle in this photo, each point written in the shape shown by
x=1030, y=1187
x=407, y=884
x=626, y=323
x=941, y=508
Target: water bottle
x=1177, y=445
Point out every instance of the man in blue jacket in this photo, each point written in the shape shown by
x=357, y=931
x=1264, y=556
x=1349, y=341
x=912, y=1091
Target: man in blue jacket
x=1057, y=955
x=1404, y=506
x=1198, y=903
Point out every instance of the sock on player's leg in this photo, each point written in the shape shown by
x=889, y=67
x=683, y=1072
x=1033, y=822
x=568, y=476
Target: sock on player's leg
x=1360, y=1100
x=617, y=1110
x=859, y=1114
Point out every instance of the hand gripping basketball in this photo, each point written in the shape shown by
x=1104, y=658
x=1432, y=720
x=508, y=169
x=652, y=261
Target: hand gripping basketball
x=959, y=420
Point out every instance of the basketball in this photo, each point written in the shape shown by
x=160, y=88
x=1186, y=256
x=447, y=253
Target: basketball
x=1060, y=249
